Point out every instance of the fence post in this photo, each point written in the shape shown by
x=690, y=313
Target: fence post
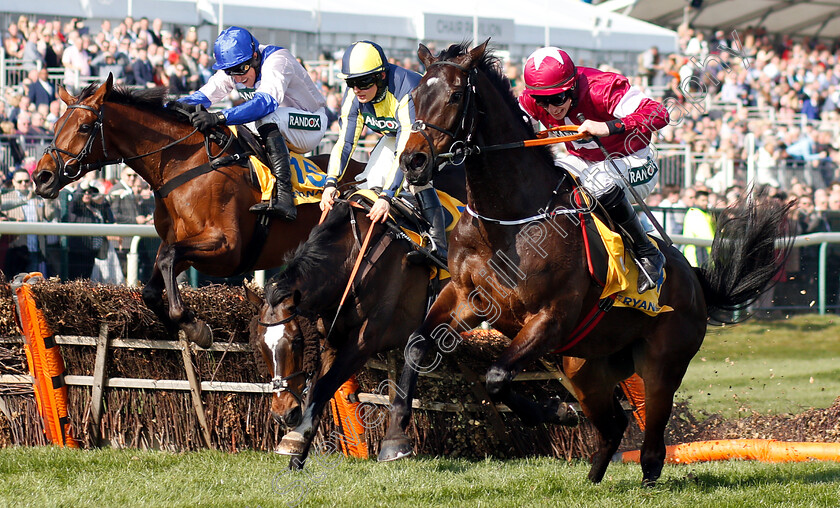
x=99, y=373
x=688, y=176
x=133, y=263
x=2, y=68
x=821, y=277
x=195, y=389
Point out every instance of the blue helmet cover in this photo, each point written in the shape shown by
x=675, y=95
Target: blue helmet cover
x=234, y=46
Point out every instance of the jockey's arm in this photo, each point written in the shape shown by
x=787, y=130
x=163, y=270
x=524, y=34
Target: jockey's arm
x=633, y=110
x=350, y=130
x=405, y=118
x=215, y=90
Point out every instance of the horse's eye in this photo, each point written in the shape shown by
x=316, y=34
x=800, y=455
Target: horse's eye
x=456, y=97
x=85, y=127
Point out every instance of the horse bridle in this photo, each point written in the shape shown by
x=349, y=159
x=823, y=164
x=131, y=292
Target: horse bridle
x=281, y=384
x=98, y=126
x=459, y=149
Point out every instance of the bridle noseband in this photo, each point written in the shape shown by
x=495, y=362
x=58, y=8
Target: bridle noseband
x=63, y=166
x=281, y=384
x=459, y=149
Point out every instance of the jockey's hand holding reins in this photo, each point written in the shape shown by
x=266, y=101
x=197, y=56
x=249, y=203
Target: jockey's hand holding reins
x=204, y=120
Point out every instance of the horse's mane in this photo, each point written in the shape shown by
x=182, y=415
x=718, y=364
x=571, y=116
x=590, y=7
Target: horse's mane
x=148, y=99
x=309, y=258
x=491, y=66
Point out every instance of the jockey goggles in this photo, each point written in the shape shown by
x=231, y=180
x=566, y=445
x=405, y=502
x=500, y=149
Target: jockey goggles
x=553, y=100
x=239, y=70
x=363, y=82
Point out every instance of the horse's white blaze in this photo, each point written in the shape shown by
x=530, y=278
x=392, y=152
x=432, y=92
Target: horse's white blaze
x=273, y=336
x=431, y=82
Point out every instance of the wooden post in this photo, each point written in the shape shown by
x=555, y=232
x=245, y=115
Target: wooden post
x=98, y=393
x=392, y=376
x=550, y=367
x=195, y=389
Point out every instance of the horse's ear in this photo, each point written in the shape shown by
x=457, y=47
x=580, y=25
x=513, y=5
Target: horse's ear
x=425, y=56
x=65, y=96
x=102, y=92
x=253, y=297
x=477, y=53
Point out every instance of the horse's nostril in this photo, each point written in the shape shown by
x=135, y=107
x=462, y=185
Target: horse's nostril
x=418, y=161
x=43, y=177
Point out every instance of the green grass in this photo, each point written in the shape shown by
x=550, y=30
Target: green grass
x=768, y=367
x=44, y=477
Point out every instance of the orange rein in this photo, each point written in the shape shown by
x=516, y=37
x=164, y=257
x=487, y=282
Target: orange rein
x=358, y=260
x=543, y=139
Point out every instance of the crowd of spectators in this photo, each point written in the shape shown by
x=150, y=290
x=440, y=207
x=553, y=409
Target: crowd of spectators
x=727, y=93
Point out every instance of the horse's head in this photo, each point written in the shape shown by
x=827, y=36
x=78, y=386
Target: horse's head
x=79, y=139
x=444, y=112
x=280, y=338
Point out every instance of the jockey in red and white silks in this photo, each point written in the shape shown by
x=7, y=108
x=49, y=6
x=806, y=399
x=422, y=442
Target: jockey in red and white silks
x=622, y=117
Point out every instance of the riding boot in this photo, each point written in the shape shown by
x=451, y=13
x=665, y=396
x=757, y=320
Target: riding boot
x=433, y=212
x=651, y=260
x=282, y=204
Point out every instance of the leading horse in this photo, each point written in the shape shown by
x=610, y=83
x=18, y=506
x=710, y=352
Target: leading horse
x=201, y=210
x=517, y=259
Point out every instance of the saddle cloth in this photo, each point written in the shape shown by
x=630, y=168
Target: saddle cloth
x=307, y=179
x=611, y=267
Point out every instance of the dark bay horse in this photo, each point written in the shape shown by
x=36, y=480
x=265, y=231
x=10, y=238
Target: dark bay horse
x=203, y=220
x=388, y=301
x=525, y=271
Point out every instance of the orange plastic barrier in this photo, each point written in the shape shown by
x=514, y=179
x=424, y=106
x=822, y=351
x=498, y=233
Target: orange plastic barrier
x=352, y=439
x=46, y=364
x=764, y=450
x=634, y=388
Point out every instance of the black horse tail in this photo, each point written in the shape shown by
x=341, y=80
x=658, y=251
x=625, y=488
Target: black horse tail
x=751, y=245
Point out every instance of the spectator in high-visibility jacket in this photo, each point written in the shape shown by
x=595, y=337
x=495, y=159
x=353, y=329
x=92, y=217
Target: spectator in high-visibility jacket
x=698, y=224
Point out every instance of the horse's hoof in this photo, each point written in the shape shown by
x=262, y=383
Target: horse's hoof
x=292, y=443
x=200, y=334
x=566, y=415
x=395, y=449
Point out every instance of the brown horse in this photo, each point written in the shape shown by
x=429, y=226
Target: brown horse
x=201, y=211
x=525, y=270
x=388, y=301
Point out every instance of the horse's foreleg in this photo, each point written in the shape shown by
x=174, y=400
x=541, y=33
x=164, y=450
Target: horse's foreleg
x=349, y=360
x=196, y=330
x=594, y=383
x=436, y=330
x=153, y=298
x=528, y=345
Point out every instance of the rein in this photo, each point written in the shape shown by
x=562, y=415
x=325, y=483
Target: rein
x=459, y=150
x=98, y=126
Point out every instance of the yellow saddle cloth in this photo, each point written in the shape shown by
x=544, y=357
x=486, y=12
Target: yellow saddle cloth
x=307, y=179
x=623, y=274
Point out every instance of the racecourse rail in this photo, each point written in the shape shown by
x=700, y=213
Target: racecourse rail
x=137, y=231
